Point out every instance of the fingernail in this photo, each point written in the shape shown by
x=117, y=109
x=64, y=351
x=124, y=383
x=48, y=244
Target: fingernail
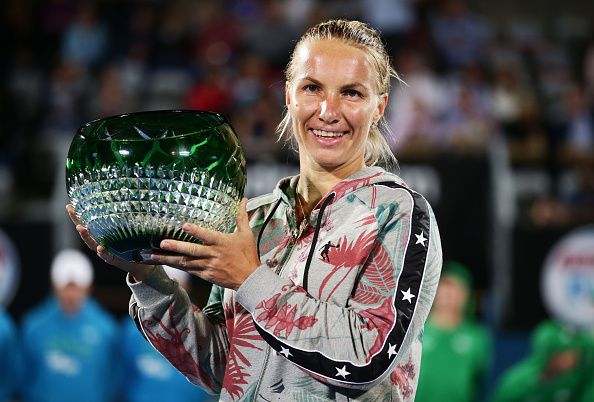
x=165, y=245
x=186, y=227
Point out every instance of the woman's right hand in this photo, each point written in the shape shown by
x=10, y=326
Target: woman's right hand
x=138, y=271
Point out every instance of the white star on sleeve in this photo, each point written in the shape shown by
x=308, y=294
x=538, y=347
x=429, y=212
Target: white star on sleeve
x=391, y=350
x=342, y=372
x=421, y=238
x=407, y=295
x=285, y=352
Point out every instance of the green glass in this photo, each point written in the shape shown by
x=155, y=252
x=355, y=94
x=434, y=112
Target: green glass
x=134, y=179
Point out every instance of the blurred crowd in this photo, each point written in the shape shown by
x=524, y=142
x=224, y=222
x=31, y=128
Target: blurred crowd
x=469, y=80
x=68, y=347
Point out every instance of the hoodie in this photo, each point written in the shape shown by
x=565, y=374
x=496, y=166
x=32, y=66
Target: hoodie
x=335, y=311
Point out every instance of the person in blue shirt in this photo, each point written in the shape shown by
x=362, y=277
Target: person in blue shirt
x=149, y=376
x=8, y=356
x=69, y=341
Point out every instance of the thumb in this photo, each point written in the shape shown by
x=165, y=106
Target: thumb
x=242, y=219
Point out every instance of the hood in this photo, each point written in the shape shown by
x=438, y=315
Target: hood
x=286, y=188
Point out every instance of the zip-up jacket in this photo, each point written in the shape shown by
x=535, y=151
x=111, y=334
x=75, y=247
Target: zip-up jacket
x=335, y=311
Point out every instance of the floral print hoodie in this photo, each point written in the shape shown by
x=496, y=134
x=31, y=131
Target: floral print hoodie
x=335, y=311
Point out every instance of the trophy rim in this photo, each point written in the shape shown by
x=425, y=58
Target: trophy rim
x=94, y=134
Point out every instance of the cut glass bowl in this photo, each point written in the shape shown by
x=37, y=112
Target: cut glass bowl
x=134, y=179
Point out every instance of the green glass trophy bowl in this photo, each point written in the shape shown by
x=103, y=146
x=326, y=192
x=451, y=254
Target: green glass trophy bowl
x=135, y=179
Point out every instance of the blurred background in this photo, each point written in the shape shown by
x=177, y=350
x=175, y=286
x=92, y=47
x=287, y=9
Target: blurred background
x=495, y=126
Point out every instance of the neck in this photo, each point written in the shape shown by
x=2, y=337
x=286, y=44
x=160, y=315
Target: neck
x=312, y=188
x=315, y=181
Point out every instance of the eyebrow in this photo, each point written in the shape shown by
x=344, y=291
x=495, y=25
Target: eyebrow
x=347, y=86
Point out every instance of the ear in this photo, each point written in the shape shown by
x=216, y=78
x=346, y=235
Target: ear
x=381, y=107
x=287, y=94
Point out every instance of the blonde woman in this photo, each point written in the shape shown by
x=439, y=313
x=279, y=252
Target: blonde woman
x=287, y=318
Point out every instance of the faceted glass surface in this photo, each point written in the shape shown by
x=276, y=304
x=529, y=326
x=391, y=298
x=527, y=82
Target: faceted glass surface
x=134, y=179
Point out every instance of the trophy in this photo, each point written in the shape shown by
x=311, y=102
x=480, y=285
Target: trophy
x=135, y=179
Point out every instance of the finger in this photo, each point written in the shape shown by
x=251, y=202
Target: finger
x=206, y=236
x=72, y=215
x=175, y=248
x=179, y=261
x=242, y=220
x=82, y=231
x=87, y=238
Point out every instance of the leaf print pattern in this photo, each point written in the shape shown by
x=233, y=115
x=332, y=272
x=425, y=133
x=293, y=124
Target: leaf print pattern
x=368, y=295
x=345, y=186
x=173, y=349
x=283, y=319
x=401, y=376
x=381, y=319
x=273, y=233
x=241, y=331
x=349, y=256
x=378, y=278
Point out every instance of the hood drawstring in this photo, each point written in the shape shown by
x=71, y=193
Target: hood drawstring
x=315, y=239
x=268, y=218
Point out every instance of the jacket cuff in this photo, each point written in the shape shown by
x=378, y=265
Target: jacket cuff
x=259, y=286
x=151, y=290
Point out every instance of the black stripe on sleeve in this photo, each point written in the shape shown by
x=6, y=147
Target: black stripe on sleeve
x=405, y=300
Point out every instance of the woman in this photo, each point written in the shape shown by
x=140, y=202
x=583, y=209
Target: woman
x=288, y=317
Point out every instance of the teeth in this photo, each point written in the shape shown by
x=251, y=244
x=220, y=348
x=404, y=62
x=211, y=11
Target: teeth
x=327, y=134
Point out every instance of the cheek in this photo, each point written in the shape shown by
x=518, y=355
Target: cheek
x=362, y=117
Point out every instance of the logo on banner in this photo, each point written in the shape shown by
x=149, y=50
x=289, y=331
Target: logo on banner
x=9, y=270
x=567, y=281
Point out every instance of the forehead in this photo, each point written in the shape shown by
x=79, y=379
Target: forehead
x=333, y=58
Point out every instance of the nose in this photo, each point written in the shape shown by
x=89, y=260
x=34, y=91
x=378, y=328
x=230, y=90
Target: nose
x=329, y=111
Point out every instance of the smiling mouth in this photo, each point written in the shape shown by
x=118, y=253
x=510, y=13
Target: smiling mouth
x=328, y=134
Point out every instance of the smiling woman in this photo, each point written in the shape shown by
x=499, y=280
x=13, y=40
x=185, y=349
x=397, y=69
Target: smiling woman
x=323, y=290
x=332, y=113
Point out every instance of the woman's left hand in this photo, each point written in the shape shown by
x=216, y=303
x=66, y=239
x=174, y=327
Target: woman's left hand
x=225, y=259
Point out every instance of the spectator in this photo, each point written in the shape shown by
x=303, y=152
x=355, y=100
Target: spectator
x=578, y=128
x=69, y=341
x=457, y=350
x=86, y=38
x=518, y=115
x=468, y=124
x=460, y=36
x=415, y=108
x=210, y=93
x=271, y=38
x=570, y=208
x=560, y=367
x=66, y=100
x=395, y=19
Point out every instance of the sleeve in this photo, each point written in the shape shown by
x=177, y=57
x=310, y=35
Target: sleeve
x=194, y=341
x=392, y=258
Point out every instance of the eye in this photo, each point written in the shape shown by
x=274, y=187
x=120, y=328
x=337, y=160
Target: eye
x=351, y=93
x=310, y=88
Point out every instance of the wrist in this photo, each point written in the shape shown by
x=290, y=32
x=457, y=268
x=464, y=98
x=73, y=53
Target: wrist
x=140, y=272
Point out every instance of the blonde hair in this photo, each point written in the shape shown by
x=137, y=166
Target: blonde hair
x=361, y=36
